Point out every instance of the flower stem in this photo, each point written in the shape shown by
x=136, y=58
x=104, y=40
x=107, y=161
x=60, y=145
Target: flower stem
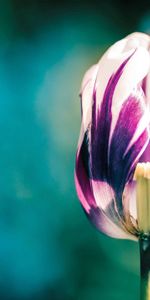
x=145, y=267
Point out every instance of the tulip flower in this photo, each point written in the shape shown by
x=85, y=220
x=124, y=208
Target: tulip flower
x=112, y=174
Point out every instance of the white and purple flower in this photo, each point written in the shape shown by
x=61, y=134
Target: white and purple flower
x=115, y=135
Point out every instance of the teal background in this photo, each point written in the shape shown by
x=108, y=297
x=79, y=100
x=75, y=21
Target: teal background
x=48, y=249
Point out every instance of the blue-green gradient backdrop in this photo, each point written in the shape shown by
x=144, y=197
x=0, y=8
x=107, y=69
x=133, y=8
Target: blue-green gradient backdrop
x=48, y=249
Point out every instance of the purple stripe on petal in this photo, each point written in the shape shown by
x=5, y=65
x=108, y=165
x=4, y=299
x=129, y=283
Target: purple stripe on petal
x=84, y=154
x=126, y=126
x=85, y=194
x=100, y=128
x=144, y=85
x=82, y=180
x=131, y=156
x=125, y=169
x=84, y=187
x=146, y=154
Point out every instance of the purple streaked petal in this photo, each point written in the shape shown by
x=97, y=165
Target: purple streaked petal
x=121, y=160
x=100, y=128
x=119, y=154
x=145, y=157
x=82, y=180
x=96, y=215
x=134, y=153
x=103, y=159
x=114, y=135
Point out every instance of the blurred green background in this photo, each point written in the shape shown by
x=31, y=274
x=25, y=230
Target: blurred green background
x=48, y=249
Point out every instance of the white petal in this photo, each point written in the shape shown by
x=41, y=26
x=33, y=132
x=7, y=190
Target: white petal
x=87, y=88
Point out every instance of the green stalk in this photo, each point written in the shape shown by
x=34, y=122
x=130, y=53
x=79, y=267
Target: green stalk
x=145, y=268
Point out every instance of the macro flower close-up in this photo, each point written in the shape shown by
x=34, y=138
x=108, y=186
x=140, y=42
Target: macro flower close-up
x=112, y=172
x=75, y=150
